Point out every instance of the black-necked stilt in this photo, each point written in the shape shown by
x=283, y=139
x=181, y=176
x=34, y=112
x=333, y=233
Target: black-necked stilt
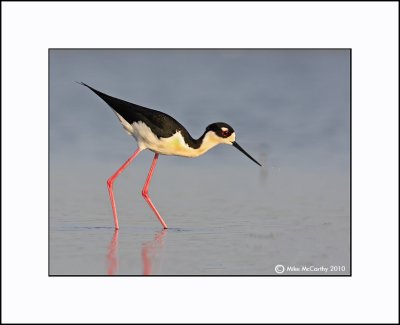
x=163, y=135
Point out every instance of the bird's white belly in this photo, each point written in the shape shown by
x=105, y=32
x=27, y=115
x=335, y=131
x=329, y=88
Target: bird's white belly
x=174, y=145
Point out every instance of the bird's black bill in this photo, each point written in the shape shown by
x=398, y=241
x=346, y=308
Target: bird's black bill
x=235, y=144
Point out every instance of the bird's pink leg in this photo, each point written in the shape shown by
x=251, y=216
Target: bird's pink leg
x=145, y=191
x=110, y=183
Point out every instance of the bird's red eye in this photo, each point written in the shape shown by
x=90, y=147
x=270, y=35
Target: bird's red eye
x=225, y=133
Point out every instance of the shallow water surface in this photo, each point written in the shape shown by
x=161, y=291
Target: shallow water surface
x=218, y=232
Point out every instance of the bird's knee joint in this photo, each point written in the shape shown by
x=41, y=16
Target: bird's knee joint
x=109, y=182
x=144, y=193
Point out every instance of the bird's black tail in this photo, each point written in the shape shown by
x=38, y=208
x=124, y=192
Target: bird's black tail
x=112, y=101
x=127, y=110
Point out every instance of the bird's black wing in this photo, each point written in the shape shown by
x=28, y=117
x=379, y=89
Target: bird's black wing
x=160, y=123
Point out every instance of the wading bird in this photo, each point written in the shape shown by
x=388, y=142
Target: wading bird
x=163, y=135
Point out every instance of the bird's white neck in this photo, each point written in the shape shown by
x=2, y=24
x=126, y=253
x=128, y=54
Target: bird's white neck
x=208, y=141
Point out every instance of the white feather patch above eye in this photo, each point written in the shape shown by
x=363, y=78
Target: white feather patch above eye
x=224, y=129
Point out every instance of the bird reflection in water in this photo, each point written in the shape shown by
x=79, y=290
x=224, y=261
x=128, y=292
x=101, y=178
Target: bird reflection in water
x=112, y=256
x=150, y=253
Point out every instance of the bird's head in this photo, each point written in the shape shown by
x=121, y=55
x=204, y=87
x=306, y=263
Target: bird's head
x=221, y=132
